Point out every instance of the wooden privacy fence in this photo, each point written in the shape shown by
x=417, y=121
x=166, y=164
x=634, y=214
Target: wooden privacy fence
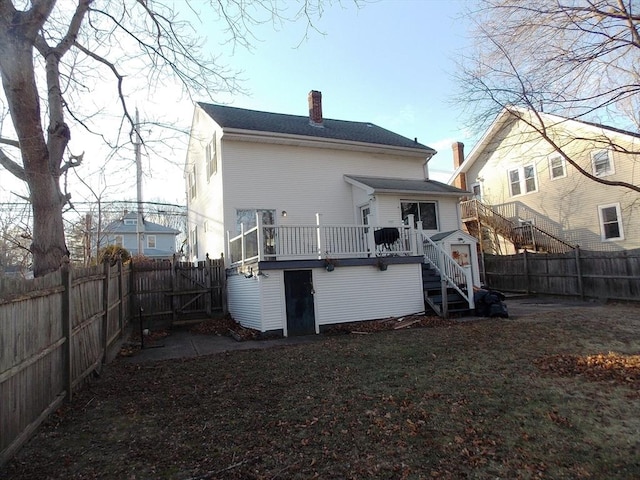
x=56, y=330
x=607, y=275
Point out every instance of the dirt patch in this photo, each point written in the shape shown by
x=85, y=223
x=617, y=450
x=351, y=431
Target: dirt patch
x=489, y=399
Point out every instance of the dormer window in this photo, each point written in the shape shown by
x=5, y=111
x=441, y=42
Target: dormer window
x=130, y=221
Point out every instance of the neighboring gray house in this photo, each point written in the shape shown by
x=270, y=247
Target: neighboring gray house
x=157, y=241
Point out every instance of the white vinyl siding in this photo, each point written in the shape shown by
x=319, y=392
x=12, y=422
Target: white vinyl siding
x=601, y=163
x=522, y=180
x=611, y=222
x=243, y=301
x=351, y=294
x=557, y=167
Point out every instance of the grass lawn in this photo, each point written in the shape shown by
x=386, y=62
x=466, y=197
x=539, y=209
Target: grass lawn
x=537, y=397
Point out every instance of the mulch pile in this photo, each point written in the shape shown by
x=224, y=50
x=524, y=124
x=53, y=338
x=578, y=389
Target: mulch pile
x=609, y=367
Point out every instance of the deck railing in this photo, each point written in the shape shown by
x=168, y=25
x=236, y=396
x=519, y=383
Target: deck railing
x=317, y=241
x=456, y=276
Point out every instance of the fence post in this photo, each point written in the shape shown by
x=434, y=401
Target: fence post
x=174, y=287
x=222, y=273
x=67, y=331
x=579, y=273
x=526, y=271
x=105, y=306
x=120, y=298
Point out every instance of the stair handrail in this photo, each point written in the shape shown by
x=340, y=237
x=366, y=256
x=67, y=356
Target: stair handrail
x=450, y=271
x=490, y=213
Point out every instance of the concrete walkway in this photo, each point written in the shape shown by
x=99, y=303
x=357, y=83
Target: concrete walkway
x=184, y=344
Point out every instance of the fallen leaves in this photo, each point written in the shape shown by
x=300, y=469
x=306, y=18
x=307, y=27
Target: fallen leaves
x=608, y=367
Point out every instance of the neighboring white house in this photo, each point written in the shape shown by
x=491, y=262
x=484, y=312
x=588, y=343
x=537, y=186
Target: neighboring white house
x=284, y=196
x=519, y=176
x=140, y=237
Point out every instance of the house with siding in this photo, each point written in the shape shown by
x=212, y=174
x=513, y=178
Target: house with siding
x=526, y=195
x=320, y=221
x=140, y=237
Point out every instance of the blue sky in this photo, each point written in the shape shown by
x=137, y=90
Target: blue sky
x=389, y=62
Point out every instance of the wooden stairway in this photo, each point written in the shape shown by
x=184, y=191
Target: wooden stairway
x=433, y=301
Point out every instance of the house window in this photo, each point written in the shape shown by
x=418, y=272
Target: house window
x=611, y=222
x=427, y=212
x=151, y=241
x=130, y=221
x=194, y=243
x=248, y=218
x=522, y=180
x=476, y=190
x=191, y=183
x=119, y=240
x=211, y=158
x=601, y=163
x=557, y=167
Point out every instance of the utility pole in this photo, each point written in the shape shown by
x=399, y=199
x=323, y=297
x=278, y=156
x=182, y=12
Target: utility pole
x=139, y=223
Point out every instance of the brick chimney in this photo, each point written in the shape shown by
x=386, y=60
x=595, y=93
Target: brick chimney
x=315, y=108
x=458, y=158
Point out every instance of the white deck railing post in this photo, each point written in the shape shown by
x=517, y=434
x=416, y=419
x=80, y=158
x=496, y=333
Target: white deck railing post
x=242, y=244
x=469, y=278
x=371, y=239
x=319, y=234
x=419, y=242
x=260, y=236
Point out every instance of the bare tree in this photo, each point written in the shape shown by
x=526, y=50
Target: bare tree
x=578, y=59
x=53, y=57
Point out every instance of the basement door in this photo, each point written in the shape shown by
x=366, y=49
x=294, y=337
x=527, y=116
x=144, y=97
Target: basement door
x=298, y=294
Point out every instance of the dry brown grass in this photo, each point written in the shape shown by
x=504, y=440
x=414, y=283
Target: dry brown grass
x=553, y=395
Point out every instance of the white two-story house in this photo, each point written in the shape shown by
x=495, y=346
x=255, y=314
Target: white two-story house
x=320, y=221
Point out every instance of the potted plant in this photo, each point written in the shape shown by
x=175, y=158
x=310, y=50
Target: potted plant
x=330, y=264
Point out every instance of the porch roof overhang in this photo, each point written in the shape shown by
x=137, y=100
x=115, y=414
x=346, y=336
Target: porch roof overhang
x=376, y=185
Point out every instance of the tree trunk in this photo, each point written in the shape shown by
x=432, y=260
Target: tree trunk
x=41, y=171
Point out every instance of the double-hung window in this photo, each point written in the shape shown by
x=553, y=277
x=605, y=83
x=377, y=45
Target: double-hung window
x=522, y=180
x=151, y=241
x=210, y=157
x=191, y=183
x=427, y=212
x=601, y=163
x=611, y=222
x=557, y=167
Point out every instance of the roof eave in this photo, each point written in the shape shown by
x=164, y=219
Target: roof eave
x=322, y=142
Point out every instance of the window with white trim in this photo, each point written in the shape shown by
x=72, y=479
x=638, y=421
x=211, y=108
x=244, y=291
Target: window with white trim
x=557, y=167
x=601, y=163
x=610, y=222
x=427, y=212
x=194, y=243
x=211, y=157
x=119, y=240
x=151, y=241
x=191, y=183
x=130, y=221
x=522, y=180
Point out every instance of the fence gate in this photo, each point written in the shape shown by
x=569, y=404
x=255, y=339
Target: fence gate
x=198, y=290
x=168, y=291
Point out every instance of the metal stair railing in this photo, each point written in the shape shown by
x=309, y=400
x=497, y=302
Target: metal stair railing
x=450, y=271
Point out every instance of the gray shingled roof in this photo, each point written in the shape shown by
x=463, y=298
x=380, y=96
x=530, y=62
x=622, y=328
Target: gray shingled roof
x=243, y=119
x=149, y=227
x=383, y=184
